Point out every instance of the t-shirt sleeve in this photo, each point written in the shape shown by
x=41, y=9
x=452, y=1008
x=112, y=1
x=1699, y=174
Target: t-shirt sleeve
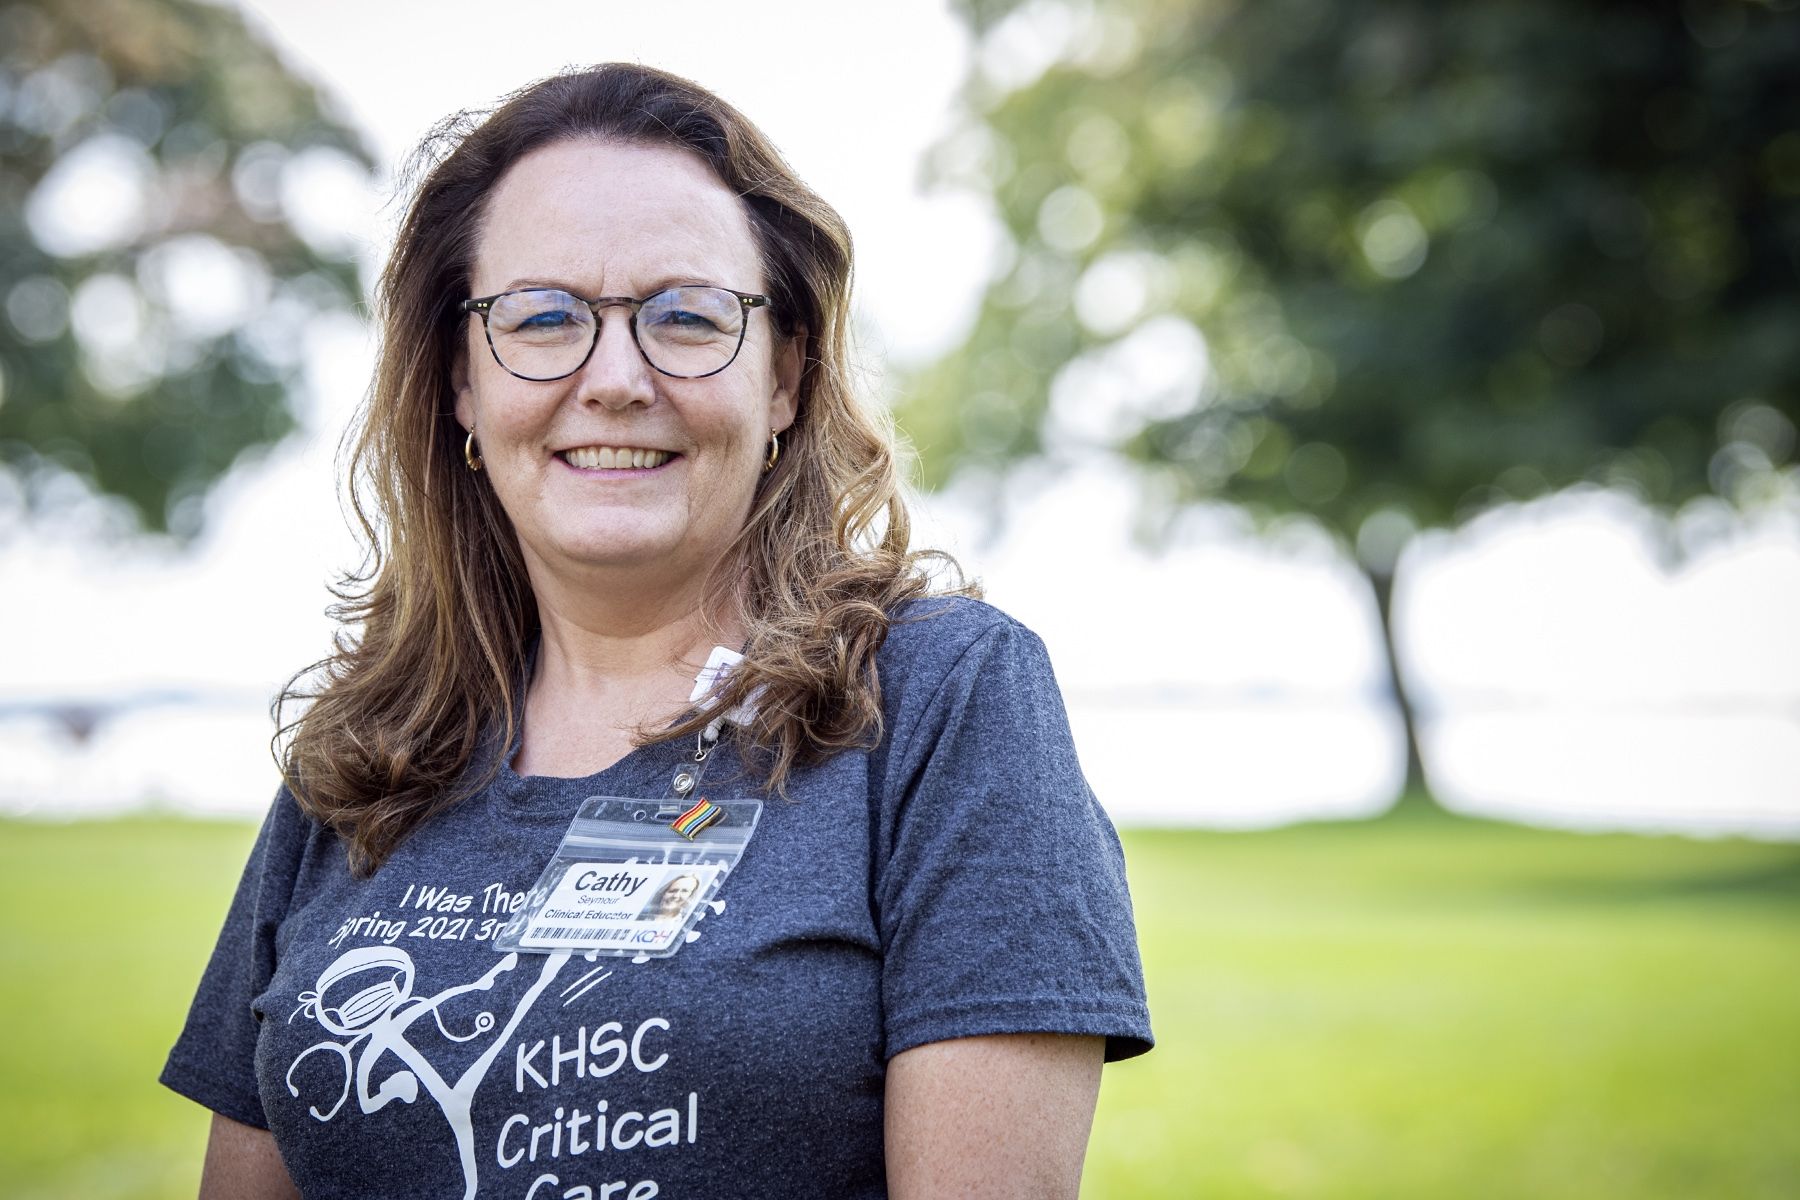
x=1002, y=900
x=213, y=1061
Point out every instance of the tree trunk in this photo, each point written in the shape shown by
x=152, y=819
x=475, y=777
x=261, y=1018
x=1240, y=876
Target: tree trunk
x=1414, y=795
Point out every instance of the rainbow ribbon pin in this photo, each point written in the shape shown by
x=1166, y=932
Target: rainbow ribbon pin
x=702, y=815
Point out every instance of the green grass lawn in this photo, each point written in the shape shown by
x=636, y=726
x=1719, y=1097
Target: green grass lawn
x=1417, y=1007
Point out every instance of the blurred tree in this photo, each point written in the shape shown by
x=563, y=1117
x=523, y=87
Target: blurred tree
x=154, y=285
x=1384, y=262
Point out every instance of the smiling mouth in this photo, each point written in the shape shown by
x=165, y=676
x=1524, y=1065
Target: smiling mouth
x=591, y=458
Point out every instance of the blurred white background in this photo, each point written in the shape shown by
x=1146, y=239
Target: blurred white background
x=1563, y=674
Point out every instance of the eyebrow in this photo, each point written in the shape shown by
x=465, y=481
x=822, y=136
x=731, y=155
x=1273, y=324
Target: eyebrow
x=672, y=279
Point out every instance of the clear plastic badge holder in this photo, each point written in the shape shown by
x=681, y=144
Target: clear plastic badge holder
x=623, y=883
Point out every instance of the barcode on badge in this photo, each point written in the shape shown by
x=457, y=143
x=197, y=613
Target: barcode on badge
x=586, y=935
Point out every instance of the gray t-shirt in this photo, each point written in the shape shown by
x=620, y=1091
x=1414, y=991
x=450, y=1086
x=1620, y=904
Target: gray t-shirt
x=958, y=879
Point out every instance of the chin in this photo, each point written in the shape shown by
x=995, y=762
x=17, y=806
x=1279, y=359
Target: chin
x=639, y=544
x=617, y=554
x=650, y=549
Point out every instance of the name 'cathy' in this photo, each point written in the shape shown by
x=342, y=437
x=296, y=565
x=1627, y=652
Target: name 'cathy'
x=623, y=882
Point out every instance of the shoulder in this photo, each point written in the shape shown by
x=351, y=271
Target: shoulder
x=934, y=637
x=291, y=840
x=950, y=658
x=289, y=826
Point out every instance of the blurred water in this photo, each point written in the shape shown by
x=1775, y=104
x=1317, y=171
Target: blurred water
x=1250, y=765
x=1217, y=680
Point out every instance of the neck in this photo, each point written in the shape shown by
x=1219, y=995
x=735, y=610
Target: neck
x=618, y=654
x=623, y=628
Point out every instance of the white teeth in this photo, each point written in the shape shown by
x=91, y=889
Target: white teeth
x=614, y=457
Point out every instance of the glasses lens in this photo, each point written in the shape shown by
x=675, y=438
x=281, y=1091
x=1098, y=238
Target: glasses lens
x=691, y=331
x=541, y=333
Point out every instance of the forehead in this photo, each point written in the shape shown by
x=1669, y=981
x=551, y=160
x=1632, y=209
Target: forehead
x=609, y=218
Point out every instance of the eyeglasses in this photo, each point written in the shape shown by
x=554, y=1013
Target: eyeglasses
x=686, y=332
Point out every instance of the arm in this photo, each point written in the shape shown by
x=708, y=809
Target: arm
x=243, y=1164
x=1001, y=1117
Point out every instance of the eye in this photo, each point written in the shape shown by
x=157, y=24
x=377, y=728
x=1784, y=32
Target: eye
x=683, y=318
x=539, y=315
x=692, y=315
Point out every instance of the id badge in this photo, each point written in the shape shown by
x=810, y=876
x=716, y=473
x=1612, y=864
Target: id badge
x=630, y=876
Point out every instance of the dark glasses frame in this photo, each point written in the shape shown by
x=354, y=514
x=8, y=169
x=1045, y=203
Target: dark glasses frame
x=485, y=305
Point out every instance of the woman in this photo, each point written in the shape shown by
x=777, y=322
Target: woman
x=611, y=430
x=671, y=899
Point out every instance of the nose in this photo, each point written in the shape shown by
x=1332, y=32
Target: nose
x=616, y=374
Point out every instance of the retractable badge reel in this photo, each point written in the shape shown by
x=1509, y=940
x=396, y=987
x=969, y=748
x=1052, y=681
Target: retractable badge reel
x=631, y=875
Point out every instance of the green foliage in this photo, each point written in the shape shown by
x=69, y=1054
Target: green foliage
x=1387, y=1010
x=1440, y=255
x=153, y=289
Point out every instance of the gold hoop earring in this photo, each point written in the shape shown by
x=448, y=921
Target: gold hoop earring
x=774, y=452
x=471, y=455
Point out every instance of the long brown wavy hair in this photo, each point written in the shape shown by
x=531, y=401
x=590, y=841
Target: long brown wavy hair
x=437, y=624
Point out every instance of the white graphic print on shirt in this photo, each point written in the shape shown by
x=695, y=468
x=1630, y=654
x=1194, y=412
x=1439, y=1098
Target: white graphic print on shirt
x=365, y=1000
